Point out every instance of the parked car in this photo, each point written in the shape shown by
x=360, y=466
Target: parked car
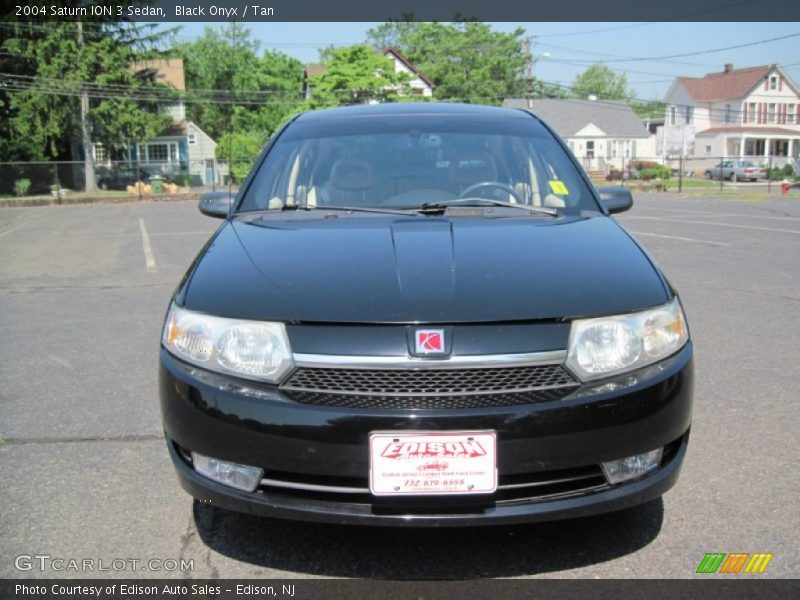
x=401, y=285
x=736, y=170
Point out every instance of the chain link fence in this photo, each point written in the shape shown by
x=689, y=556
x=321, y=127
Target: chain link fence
x=62, y=178
x=690, y=172
x=116, y=178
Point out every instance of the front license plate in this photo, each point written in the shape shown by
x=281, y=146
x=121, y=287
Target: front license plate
x=419, y=463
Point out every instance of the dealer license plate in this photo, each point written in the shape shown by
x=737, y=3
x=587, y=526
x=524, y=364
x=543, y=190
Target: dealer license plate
x=420, y=463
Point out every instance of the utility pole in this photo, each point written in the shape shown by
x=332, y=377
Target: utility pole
x=529, y=41
x=86, y=130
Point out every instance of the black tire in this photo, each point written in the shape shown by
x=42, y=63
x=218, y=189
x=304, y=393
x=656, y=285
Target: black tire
x=709, y=175
x=732, y=177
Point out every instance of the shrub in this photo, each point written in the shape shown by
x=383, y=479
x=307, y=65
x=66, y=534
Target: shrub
x=614, y=175
x=788, y=170
x=22, y=186
x=657, y=172
x=184, y=179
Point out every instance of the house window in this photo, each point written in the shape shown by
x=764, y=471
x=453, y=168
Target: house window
x=100, y=154
x=158, y=152
x=773, y=82
x=771, y=114
x=790, y=113
x=728, y=114
x=751, y=112
x=688, y=112
x=708, y=149
x=192, y=139
x=672, y=115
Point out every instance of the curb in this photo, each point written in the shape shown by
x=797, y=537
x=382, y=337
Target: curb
x=68, y=201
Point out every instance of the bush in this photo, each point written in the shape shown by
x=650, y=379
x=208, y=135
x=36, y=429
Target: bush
x=184, y=179
x=639, y=165
x=657, y=172
x=788, y=170
x=614, y=175
x=22, y=186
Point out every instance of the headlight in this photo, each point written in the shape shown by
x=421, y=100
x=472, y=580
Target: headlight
x=250, y=349
x=611, y=345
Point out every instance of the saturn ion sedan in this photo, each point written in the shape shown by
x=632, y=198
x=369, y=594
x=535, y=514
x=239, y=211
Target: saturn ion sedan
x=423, y=315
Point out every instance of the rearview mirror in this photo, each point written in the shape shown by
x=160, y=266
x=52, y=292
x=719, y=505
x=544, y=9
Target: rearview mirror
x=616, y=198
x=215, y=204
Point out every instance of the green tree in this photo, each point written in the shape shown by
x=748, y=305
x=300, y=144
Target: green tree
x=240, y=150
x=238, y=89
x=357, y=74
x=393, y=34
x=604, y=83
x=57, y=64
x=655, y=109
x=466, y=61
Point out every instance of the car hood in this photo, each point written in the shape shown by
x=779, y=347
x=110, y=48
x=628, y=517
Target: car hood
x=387, y=269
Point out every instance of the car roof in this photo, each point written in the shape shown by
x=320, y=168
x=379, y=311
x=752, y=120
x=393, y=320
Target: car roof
x=414, y=109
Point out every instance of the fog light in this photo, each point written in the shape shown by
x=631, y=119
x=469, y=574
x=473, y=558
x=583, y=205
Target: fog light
x=617, y=471
x=236, y=476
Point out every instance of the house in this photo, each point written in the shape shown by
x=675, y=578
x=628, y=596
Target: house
x=752, y=112
x=602, y=134
x=183, y=148
x=418, y=84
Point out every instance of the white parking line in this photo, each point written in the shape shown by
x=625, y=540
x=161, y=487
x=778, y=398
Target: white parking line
x=149, y=257
x=673, y=220
x=675, y=237
x=687, y=215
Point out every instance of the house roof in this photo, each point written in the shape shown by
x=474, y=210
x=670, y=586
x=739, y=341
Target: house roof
x=399, y=55
x=755, y=131
x=315, y=69
x=179, y=129
x=614, y=117
x=729, y=84
x=167, y=70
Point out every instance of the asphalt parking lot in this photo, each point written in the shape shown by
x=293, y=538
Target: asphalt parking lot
x=84, y=471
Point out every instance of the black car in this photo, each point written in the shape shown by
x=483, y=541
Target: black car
x=422, y=314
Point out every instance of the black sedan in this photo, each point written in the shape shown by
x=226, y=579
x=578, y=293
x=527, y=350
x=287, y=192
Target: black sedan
x=423, y=314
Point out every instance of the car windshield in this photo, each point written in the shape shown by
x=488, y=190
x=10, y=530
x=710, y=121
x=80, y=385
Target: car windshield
x=406, y=161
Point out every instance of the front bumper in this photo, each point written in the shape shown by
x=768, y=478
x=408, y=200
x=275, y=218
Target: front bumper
x=547, y=453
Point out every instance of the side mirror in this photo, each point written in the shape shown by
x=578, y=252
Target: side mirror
x=616, y=198
x=215, y=204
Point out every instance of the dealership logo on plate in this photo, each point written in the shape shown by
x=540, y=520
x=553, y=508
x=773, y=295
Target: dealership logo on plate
x=430, y=341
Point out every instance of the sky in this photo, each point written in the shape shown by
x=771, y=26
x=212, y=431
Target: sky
x=562, y=50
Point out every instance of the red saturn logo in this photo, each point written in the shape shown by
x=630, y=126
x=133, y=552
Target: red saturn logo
x=430, y=341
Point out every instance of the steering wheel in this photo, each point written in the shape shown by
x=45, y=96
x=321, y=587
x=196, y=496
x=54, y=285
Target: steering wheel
x=495, y=184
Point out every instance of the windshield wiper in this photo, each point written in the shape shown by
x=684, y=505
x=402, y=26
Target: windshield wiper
x=366, y=209
x=442, y=205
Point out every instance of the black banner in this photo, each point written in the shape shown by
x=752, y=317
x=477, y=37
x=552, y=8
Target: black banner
x=248, y=11
x=730, y=588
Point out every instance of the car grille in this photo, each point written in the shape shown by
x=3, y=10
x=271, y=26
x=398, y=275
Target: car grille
x=429, y=388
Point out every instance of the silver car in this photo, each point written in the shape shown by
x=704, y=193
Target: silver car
x=736, y=171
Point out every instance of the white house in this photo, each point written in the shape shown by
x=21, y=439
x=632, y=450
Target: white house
x=602, y=134
x=419, y=84
x=750, y=112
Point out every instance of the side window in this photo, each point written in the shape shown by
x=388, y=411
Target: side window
x=271, y=179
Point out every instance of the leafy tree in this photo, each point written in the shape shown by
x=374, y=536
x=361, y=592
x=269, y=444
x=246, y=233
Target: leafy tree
x=604, y=83
x=357, y=74
x=240, y=150
x=655, y=109
x=256, y=92
x=467, y=61
x=41, y=105
x=393, y=33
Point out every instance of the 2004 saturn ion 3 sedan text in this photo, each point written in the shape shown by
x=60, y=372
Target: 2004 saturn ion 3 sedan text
x=422, y=314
